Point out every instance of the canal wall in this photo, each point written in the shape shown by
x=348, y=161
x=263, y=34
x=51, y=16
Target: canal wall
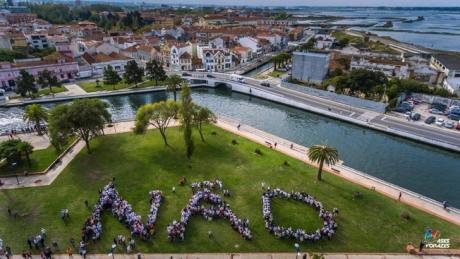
x=261, y=93
x=344, y=99
x=264, y=94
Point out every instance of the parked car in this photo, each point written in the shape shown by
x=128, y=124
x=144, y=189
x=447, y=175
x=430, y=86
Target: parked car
x=449, y=124
x=458, y=125
x=210, y=76
x=436, y=111
x=430, y=120
x=400, y=109
x=265, y=84
x=416, y=116
x=439, y=122
x=454, y=117
x=186, y=74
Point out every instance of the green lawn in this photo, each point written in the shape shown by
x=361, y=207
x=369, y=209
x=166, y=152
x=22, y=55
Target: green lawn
x=276, y=73
x=142, y=163
x=92, y=86
x=40, y=160
x=46, y=91
x=372, y=45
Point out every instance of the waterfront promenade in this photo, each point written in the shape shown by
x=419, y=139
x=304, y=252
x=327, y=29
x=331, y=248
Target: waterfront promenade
x=253, y=256
x=440, y=137
x=264, y=138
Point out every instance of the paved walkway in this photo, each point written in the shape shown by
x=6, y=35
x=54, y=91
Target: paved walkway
x=38, y=142
x=73, y=89
x=261, y=137
x=249, y=256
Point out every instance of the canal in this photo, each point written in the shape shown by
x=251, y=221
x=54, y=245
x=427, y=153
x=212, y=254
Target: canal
x=424, y=169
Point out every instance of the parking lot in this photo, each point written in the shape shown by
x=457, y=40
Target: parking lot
x=421, y=111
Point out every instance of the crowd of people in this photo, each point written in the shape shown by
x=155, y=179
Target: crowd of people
x=37, y=241
x=219, y=209
x=110, y=199
x=27, y=129
x=329, y=226
x=212, y=185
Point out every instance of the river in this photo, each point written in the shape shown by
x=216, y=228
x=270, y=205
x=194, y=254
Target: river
x=440, y=28
x=426, y=170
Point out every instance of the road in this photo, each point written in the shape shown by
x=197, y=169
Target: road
x=372, y=118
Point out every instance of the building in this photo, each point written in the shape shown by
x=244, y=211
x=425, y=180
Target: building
x=64, y=67
x=324, y=41
x=20, y=18
x=18, y=40
x=448, y=67
x=38, y=41
x=253, y=44
x=99, y=61
x=177, y=53
x=142, y=54
x=5, y=42
x=391, y=68
x=245, y=54
x=311, y=67
x=218, y=60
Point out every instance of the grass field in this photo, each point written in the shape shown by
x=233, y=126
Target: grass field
x=40, y=160
x=142, y=163
x=92, y=86
x=46, y=91
x=372, y=45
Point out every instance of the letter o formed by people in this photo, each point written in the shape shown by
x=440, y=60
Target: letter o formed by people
x=327, y=231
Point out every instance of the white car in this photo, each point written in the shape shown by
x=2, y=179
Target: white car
x=449, y=124
x=439, y=122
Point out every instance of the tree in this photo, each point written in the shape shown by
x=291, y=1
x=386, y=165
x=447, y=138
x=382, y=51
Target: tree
x=25, y=84
x=9, y=150
x=133, y=73
x=202, y=115
x=323, y=154
x=13, y=150
x=36, y=114
x=46, y=79
x=173, y=83
x=59, y=127
x=157, y=114
x=186, y=115
x=26, y=149
x=111, y=77
x=85, y=118
x=155, y=71
x=309, y=45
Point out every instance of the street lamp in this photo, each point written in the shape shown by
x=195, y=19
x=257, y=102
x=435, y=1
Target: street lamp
x=13, y=165
x=112, y=250
x=297, y=250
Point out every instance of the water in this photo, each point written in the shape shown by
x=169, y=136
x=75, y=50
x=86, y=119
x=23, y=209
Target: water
x=429, y=171
x=260, y=69
x=439, y=30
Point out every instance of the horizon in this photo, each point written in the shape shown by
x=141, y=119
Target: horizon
x=313, y=3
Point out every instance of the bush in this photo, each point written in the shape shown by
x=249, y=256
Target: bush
x=406, y=215
x=234, y=142
x=286, y=163
x=258, y=151
x=213, y=133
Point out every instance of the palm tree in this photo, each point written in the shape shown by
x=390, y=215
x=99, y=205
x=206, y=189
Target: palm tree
x=25, y=148
x=173, y=83
x=323, y=154
x=36, y=114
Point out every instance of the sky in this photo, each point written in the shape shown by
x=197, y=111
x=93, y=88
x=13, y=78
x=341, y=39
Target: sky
x=393, y=3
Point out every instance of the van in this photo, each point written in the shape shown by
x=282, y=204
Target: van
x=237, y=78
